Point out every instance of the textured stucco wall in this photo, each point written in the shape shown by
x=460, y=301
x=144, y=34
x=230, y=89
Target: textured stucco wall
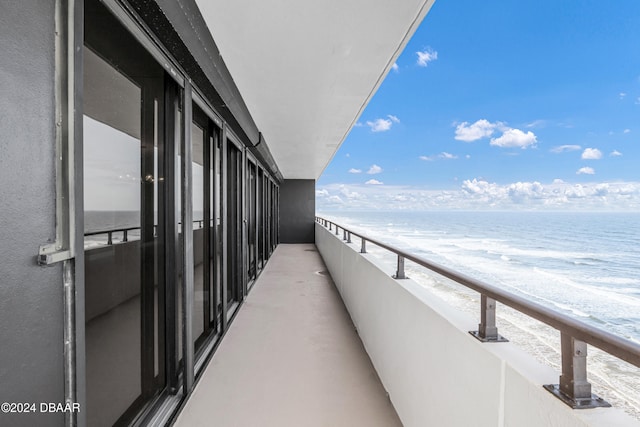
x=31, y=334
x=297, y=210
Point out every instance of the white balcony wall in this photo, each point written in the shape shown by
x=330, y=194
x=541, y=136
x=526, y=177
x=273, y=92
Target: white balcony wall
x=435, y=372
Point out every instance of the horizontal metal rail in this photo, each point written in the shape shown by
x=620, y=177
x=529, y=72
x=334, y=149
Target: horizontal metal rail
x=125, y=231
x=574, y=333
x=109, y=233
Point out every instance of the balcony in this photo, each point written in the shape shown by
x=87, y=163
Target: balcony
x=291, y=357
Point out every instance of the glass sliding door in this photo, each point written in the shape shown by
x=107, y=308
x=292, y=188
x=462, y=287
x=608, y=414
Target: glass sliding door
x=206, y=247
x=269, y=219
x=265, y=218
x=199, y=227
x=234, y=225
x=216, y=240
x=251, y=221
x=276, y=215
x=124, y=102
x=272, y=216
x=260, y=218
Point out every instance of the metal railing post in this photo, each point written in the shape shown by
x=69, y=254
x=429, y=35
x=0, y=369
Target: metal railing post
x=125, y=235
x=330, y=226
x=344, y=234
x=110, y=238
x=348, y=237
x=574, y=388
x=336, y=229
x=400, y=269
x=487, y=329
x=573, y=380
x=363, y=246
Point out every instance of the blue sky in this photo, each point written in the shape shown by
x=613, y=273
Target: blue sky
x=502, y=104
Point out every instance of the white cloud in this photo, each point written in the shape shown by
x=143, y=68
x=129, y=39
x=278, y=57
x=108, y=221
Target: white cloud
x=586, y=171
x=484, y=129
x=591, y=154
x=637, y=101
x=380, y=125
x=615, y=153
x=374, y=169
x=478, y=130
x=622, y=95
x=479, y=194
x=626, y=131
x=349, y=194
x=443, y=155
x=354, y=170
x=383, y=125
x=521, y=191
x=468, y=156
x=480, y=187
x=374, y=182
x=565, y=148
x=515, y=138
x=395, y=67
x=426, y=56
x=602, y=189
x=536, y=123
x=492, y=193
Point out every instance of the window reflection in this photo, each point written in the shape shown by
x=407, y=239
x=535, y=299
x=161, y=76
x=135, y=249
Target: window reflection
x=197, y=175
x=123, y=109
x=112, y=171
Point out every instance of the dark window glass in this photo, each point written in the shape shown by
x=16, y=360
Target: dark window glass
x=124, y=253
x=199, y=248
x=251, y=221
x=234, y=224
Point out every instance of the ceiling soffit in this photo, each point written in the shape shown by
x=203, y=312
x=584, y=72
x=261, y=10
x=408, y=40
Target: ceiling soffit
x=306, y=70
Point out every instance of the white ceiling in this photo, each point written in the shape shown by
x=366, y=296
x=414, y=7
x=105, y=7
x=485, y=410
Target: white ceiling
x=306, y=69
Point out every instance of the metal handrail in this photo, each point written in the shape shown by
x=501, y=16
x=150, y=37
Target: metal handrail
x=109, y=233
x=125, y=231
x=575, y=334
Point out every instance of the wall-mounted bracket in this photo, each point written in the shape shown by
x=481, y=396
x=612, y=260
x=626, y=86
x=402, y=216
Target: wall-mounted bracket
x=65, y=86
x=498, y=338
x=579, y=403
x=52, y=254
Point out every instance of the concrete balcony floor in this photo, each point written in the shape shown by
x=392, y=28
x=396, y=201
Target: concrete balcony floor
x=291, y=357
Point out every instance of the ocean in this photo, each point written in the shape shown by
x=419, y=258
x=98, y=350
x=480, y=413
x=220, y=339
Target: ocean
x=97, y=221
x=585, y=265
x=103, y=221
